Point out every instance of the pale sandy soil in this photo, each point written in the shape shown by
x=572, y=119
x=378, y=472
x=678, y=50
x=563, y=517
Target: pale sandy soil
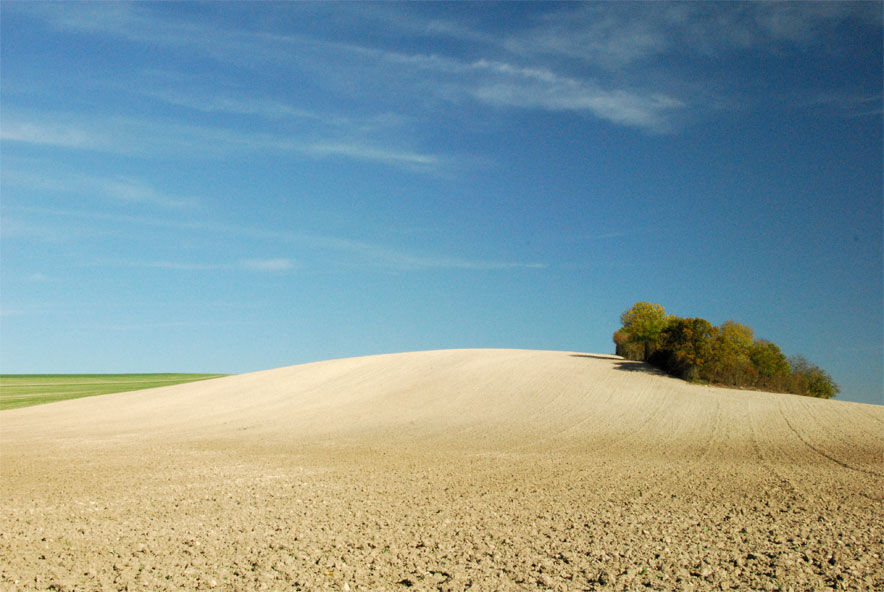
x=449, y=470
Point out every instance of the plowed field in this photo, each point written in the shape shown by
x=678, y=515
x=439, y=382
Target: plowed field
x=445, y=470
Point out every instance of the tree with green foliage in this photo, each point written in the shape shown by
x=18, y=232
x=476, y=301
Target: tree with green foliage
x=631, y=350
x=728, y=355
x=811, y=380
x=732, y=364
x=643, y=324
x=686, y=348
x=771, y=365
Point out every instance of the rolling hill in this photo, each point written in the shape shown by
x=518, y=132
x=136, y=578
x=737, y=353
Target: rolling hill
x=448, y=470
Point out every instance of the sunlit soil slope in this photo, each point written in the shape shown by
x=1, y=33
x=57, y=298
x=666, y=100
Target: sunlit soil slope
x=443, y=470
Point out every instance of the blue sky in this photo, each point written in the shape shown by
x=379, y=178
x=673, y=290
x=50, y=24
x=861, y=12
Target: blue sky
x=229, y=187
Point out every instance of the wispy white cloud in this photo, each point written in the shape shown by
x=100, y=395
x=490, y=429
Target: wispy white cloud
x=801, y=22
x=60, y=134
x=23, y=228
x=604, y=35
x=503, y=83
x=596, y=237
x=130, y=136
x=273, y=265
x=22, y=309
x=466, y=264
x=331, y=126
x=849, y=105
x=119, y=188
x=134, y=190
x=446, y=77
x=359, y=151
x=159, y=139
x=603, y=59
x=543, y=89
x=119, y=19
x=172, y=265
x=617, y=35
x=262, y=107
x=624, y=46
x=378, y=255
x=398, y=260
x=267, y=265
x=349, y=251
x=164, y=139
x=134, y=23
x=162, y=325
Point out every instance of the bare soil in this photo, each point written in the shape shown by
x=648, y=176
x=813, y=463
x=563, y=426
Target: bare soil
x=446, y=470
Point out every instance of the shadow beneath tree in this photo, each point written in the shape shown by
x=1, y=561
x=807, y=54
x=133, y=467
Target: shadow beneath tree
x=625, y=365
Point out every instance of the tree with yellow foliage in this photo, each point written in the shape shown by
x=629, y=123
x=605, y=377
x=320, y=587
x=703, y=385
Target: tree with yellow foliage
x=728, y=355
x=643, y=324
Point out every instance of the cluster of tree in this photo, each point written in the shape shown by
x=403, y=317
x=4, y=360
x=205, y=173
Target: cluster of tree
x=728, y=355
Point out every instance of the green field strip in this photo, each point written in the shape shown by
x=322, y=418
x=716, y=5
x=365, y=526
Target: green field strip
x=23, y=390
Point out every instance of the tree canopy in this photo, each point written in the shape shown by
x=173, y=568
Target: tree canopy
x=644, y=323
x=728, y=355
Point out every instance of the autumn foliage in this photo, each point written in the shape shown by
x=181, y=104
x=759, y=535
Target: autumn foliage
x=727, y=355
